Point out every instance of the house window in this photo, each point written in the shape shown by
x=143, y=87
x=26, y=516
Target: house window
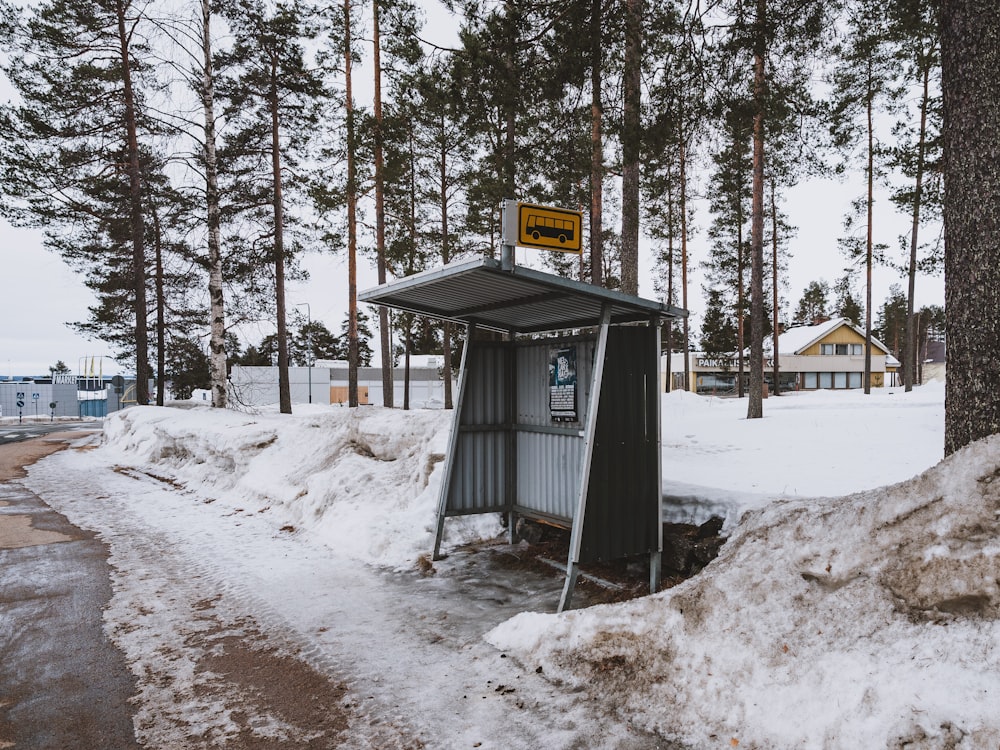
x=854, y=380
x=841, y=349
x=826, y=380
x=809, y=380
x=840, y=380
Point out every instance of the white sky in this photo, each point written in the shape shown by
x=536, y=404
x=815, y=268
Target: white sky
x=39, y=294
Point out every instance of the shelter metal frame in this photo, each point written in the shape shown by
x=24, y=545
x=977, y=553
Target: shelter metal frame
x=599, y=474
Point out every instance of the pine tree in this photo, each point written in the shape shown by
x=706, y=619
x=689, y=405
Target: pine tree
x=718, y=332
x=917, y=152
x=814, y=303
x=863, y=84
x=71, y=153
x=846, y=305
x=272, y=98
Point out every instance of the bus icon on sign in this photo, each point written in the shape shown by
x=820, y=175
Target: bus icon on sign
x=545, y=226
x=549, y=228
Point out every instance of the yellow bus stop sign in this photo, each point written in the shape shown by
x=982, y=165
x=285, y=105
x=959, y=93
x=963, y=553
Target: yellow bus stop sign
x=549, y=228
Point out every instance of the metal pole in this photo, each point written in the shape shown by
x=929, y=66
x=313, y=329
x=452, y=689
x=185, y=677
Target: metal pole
x=576, y=536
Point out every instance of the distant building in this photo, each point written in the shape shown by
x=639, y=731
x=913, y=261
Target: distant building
x=827, y=355
x=327, y=383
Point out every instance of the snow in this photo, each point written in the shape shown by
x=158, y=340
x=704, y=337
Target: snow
x=854, y=605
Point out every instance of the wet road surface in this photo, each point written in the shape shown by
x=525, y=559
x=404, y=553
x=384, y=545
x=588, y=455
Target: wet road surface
x=62, y=683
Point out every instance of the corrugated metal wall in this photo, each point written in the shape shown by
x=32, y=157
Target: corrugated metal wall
x=550, y=454
x=479, y=482
x=542, y=476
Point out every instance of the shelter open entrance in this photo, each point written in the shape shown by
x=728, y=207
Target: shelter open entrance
x=557, y=416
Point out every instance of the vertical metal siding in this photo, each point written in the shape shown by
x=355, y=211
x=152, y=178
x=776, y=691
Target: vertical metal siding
x=479, y=482
x=548, y=464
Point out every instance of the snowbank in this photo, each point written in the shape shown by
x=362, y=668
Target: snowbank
x=365, y=481
x=858, y=622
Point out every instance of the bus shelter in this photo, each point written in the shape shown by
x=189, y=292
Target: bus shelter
x=557, y=415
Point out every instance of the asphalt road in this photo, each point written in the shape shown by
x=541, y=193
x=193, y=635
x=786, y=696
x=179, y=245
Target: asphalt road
x=12, y=432
x=62, y=683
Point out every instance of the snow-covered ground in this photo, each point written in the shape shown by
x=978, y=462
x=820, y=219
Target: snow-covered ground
x=830, y=620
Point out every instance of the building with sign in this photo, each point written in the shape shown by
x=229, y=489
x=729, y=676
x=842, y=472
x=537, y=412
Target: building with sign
x=827, y=355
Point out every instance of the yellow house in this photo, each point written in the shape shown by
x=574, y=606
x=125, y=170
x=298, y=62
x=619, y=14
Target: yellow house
x=827, y=355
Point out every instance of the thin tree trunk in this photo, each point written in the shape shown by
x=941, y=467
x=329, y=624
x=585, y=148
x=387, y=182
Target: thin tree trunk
x=284, y=387
x=755, y=405
x=774, y=295
x=161, y=323
x=383, y=311
x=630, y=148
x=596, y=149
x=445, y=258
x=868, y=245
x=510, y=104
x=740, y=307
x=682, y=159
x=136, y=219
x=671, y=223
x=909, y=363
x=352, y=228
x=217, y=311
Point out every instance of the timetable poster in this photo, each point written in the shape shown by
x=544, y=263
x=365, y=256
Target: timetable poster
x=562, y=384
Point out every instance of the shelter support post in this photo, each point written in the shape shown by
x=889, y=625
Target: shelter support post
x=449, y=458
x=576, y=537
x=511, y=419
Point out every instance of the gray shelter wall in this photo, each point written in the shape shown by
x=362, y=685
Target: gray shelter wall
x=505, y=412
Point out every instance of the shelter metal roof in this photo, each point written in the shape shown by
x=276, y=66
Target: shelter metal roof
x=522, y=300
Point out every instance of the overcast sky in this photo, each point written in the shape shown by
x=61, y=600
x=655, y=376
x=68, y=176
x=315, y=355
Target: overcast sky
x=40, y=294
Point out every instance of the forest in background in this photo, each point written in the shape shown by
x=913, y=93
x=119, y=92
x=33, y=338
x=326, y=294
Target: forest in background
x=185, y=157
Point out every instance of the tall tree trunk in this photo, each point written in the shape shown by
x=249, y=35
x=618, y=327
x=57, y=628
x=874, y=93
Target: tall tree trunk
x=870, y=202
x=671, y=223
x=136, y=219
x=217, y=312
x=740, y=310
x=910, y=361
x=596, y=149
x=510, y=104
x=161, y=323
x=630, y=147
x=682, y=164
x=775, y=333
x=970, y=59
x=352, y=227
x=383, y=311
x=755, y=405
x=284, y=387
x=445, y=258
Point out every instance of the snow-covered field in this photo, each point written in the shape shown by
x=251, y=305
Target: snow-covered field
x=830, y=620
